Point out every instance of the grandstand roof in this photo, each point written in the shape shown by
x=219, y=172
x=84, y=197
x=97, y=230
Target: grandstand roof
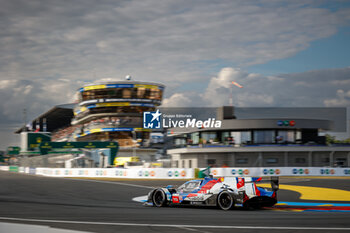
x=57, y=117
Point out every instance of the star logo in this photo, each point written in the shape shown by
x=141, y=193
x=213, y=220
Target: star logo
x=156, y=115
x=152, y=120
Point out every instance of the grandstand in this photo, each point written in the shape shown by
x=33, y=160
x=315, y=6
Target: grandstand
x=106, y=111
x=112, y=111
x=57, y=118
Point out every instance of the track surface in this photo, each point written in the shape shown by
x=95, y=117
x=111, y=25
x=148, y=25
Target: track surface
x=90, y=203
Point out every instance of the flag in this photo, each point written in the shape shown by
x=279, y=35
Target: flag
x=29, y=126
x=236, y=84
x=204, y=173
x=37, y=126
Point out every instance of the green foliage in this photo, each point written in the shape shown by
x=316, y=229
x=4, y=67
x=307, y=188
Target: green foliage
x=196, y=172
x=332, y=140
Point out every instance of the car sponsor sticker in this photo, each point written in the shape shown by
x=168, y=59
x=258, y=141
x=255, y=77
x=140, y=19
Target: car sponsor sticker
x=175, y=198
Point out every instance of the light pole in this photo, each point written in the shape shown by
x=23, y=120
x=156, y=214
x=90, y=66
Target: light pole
x=231, y=97
x=25, y=119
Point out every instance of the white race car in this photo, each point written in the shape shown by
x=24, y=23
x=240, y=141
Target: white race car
x=224, y=192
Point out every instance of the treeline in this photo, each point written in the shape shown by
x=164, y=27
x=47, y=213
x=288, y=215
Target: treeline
x=332, y=140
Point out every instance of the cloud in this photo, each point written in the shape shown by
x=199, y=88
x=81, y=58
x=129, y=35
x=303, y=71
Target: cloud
x=50, y=48
x=306, y=89
x=342, y=99
x=218, y=90
x=35, y=96
x=178, y=100
x=152, y=40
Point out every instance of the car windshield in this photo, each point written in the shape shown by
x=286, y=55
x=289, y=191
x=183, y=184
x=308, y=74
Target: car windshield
x=189, y=186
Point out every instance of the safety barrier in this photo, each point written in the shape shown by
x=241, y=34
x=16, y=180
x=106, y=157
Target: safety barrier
x=280, y=171
x=178, y=173
x=140, y=173
x=4, y=168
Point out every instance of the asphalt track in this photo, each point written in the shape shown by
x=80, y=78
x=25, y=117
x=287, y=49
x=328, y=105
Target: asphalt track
x=107, y=206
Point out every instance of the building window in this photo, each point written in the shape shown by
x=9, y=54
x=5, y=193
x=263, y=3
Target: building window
x=209, y=137
x=264, y=136
x=141, y=93
x=189, y=163
x=242, y=161
x=127, y=93
x=245, y=137
x=298, y=136
x=195, y=138
x=183, y=163
x=340, y=162
x=211, y=162
x=272, y=160
x=300, y=160
x=179, y=142
x=285, y=136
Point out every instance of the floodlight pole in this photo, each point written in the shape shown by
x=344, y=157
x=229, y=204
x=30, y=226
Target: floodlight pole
x=231, y=96
x=25, y=119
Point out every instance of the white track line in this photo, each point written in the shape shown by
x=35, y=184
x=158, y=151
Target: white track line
x=176, y=226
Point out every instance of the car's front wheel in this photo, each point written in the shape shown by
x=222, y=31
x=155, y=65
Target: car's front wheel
x=225, y=201
x=159, y=198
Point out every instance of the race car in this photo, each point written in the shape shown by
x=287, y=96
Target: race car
x=225, y=193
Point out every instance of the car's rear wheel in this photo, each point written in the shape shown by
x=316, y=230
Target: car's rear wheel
x=225, y=201
x=159, y=198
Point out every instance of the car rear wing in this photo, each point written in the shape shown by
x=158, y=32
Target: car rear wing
x=240, y=182
x=252, y=179
x=273, y=179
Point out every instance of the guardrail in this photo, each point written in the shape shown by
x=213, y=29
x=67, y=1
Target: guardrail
x=139, y=173
x=281, y=171
x=178, y=173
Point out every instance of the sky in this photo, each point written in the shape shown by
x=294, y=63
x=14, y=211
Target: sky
x=284, y=53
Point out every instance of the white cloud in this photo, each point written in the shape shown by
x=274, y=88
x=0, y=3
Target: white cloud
x=218, y=90
x=313, y=88
x=178, y=43
x=342, y=99
x=153, y=40
x=36, y=96
x=177, y=100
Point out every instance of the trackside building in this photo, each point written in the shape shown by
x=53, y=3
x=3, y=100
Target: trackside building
x=268, y=142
